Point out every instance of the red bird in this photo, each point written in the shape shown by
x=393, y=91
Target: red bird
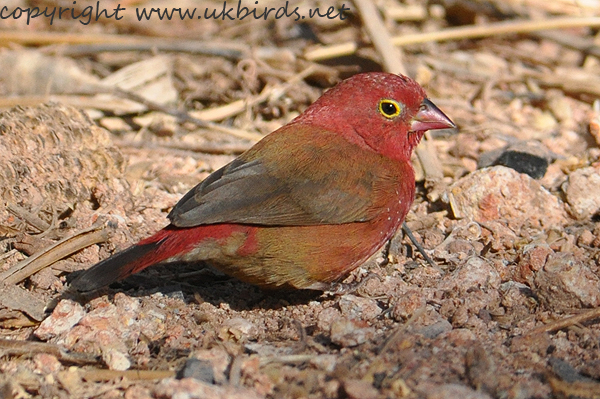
x=308, y=203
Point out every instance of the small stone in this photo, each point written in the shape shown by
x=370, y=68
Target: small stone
x=44, y=279
x=70, y=379
x=566, y=283
x=586, y=238
x=106, y=327
x=46, y=363
x=433, y=330
x=563, y=370
x=355, y=307
x=137, y=392
x=267, y=350
x=152, y=323
x=582, y=191
x=219, y=360
x=199, y=369
x=533, y=259
x=535, y=343
x=594, y=124
x=192, y=388
x=560, y=106
x=326, y=318
x=346, y=332
x=596, y=233
x=324, y=362
x=500, y=193
x=239, y=329
x=126, y=303
x=250, y=371
x=116, y=360
x=407, y=304
x=459, y=337
x=453, y=391
x=331, y=389
x=359, y=389
x=476, y=272
x=517, y=301
x=543, y=122
x=66, y=314
x=529, y=157
x=114, y=124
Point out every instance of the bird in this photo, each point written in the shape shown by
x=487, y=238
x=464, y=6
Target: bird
x=305, y=205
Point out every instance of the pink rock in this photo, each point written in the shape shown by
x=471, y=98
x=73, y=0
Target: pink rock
x=360, y=389
x=356, y=307
x=582, y=191
x=476, y=272
x=453, y=391
x=347, y=332
x=500, y=193
x=239, y=329
x=326, y=318
x=46, y=363
x=218, y=358
x=194, y=389
x=66, y=314
x=566, y=283
x=407, y=304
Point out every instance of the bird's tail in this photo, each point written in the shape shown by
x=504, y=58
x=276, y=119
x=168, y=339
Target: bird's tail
x=163, y=245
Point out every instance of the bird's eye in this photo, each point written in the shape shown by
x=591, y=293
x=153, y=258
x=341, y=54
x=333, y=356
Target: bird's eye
x=389, y=108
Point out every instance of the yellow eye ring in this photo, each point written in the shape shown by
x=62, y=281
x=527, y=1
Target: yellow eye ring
x=389, y=108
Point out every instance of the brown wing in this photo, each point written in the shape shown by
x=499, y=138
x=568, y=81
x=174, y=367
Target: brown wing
x=296, y=176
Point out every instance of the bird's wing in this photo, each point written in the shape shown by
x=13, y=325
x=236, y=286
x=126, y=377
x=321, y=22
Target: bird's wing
x=297, y=176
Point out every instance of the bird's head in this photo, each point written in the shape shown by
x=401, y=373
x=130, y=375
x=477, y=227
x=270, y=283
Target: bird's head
x=382, y=112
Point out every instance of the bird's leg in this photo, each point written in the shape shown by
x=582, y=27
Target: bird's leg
x=418, y=245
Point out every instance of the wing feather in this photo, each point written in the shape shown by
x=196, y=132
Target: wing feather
x=286, y=180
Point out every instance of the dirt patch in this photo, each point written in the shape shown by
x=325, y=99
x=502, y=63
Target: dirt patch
x=510, y=309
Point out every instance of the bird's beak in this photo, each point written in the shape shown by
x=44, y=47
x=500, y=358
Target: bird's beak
x=430, y=117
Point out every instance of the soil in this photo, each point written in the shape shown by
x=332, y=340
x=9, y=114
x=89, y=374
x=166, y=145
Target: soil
x=98, y=143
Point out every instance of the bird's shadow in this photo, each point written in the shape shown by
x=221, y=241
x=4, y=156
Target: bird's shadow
x=192, y=282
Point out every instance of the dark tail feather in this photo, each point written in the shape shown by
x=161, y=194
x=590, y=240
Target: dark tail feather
x=117, y=267
x=166, y=243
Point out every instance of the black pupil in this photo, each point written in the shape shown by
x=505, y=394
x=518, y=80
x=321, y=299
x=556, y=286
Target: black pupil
x=388, y=108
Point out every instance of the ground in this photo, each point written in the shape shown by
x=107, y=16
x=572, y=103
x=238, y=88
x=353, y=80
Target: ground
x=116, y=119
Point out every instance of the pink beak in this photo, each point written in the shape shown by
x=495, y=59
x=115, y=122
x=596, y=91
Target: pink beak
x=430, y=117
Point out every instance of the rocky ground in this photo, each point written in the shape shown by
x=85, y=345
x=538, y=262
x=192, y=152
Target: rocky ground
x=107, y=137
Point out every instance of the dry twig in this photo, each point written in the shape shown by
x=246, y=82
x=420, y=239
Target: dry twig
x=496, y=29
x=61, y=249
x=236, y=107
x=89, y=43
x=214, y=149
x=105, y=375
x=27, y=216
x=588, y=315
x=465, y=32
x=28, y=348
x=381, y=38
